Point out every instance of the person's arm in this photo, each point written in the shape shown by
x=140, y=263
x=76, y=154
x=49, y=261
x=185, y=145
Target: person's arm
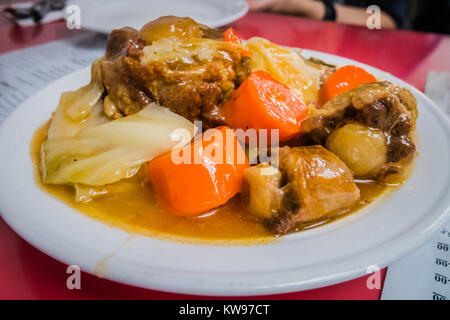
x=358, y=16
x=316, y=10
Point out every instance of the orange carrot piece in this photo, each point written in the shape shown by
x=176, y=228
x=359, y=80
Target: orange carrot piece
x=210, y=175
x=262, y=102
x=231, y=36
x=344, y=79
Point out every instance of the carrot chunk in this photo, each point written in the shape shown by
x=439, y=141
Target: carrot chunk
x=262, y=102
x=343, y=80
x=231, y=36
x=201, y=176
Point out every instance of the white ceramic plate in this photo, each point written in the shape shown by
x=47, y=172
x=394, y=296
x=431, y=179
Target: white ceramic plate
x=106, y=15
x=377, y=235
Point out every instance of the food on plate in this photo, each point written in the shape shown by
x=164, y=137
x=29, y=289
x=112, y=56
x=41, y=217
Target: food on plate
x=261, y=102
x=176, y=63
x=231, y=36
x=287, y=66
x=157, y=141
x=77, y=109
x=362, y=148
x=380, y=109
x=198, y=181
x=108, y=152
x=311, y=182
x=344, y=79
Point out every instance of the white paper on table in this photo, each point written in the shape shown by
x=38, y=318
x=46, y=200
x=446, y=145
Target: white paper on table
x=425, y=274
x=24, y=72
x=438, y=89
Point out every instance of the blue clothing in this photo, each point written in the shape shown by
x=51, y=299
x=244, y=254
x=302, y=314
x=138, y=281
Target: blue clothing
x=397, y=9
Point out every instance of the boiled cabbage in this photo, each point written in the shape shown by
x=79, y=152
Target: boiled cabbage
x=188, y=51
x=105, y=153
x=74, y=108
x=286, y=65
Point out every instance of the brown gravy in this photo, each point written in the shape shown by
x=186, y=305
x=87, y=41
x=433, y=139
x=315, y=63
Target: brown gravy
x=131, y=205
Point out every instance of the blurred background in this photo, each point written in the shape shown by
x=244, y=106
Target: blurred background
x=419, y=15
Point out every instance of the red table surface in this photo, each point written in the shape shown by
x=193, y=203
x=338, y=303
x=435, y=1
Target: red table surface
x=27, y=273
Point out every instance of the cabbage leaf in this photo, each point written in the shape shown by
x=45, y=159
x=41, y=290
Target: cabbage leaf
x=80, y=108
x=105, y=153
x=286, y=65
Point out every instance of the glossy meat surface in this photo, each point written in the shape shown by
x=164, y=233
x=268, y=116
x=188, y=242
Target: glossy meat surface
x=192, y=75
x=314, y=184
x=379, y=105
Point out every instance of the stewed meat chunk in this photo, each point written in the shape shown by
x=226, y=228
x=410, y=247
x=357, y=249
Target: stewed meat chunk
x=354, y=123
x=310, y=184
x=176, y=63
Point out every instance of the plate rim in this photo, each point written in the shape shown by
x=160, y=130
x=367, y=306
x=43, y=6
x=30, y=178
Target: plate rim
x=242, y=5
x=314, y=283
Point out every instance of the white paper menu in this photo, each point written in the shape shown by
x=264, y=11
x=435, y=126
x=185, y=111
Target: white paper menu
x=24, y=72
x=425, y=274
x=438, y=89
